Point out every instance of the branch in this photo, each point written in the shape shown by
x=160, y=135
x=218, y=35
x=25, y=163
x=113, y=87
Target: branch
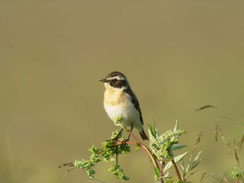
x=155, y=163
x=161, y=171
x=145, y=148
x=136, y=142
x=66, y=164
x=176, y=169
x=135, y=138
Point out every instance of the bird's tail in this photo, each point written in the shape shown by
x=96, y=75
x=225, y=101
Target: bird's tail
x=143, y=135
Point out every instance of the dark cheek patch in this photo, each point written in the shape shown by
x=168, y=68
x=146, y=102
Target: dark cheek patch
x=119, y=83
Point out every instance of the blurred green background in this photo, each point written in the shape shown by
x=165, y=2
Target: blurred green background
x=177, y=55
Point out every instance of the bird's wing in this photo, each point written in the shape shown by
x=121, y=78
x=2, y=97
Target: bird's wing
x=134, y=100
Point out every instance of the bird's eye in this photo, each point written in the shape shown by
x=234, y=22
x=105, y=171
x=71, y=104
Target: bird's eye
x=114, y=80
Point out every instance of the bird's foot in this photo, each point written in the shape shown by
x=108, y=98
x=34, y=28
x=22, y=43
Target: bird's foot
x=125, y=141
x=114, y=139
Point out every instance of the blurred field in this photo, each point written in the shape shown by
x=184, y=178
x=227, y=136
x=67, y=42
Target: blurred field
x=178, y=56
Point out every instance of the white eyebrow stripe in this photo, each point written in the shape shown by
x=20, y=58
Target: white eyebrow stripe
x=116, y=77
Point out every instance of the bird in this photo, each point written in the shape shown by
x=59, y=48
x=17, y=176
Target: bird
x=121, y=104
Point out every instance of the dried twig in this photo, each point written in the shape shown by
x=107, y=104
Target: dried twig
x=197, y=141
x=205, y=107
x=66, y=164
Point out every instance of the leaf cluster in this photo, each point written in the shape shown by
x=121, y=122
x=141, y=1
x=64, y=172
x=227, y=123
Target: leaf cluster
x=110, y=149
x=118, y=172
x=89, y=164
x=238, y=174
x=193, y=162
x=163, y=147
x=161, y=152
x=107, y=152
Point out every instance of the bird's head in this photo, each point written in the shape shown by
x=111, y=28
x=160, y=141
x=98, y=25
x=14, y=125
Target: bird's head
x=115, y=80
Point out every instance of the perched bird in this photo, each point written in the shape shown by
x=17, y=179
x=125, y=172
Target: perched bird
x=121, y=104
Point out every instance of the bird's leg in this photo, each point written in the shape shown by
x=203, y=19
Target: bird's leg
x=116, y=138
x=126, y=140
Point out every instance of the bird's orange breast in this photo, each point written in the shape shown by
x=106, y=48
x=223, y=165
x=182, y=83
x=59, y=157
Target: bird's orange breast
x=114, y=97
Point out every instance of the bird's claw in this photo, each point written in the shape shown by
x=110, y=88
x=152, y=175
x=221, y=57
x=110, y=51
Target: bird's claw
x=125, y=141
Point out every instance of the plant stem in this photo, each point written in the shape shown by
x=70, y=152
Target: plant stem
x=66, y=164
x=117, y=156
x=176, y=169
x=145, y=148
x=135, y=138
x=161, y=171
x=155, y=163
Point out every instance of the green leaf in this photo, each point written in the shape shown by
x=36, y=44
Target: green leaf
x=78, y=164
x=180, y=157
x=167, y=166
x=197, y=156
x=193, y=164
x=176, y=159
x=152, y=131
x=176, y=126
x=118, y=119
x=93, y=149
x=237, y=174
x=138, y=146
x=83, y=164
x=177, y=147
x=90, y=173
x=182, y=169
x=115, y=134
x=118, y=172
x=161, y=145
x=157, y=173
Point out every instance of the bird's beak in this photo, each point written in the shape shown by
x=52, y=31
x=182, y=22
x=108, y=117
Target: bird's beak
x=104, y=80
